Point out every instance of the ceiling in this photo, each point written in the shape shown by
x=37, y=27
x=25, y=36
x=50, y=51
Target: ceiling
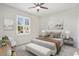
x=52, y=7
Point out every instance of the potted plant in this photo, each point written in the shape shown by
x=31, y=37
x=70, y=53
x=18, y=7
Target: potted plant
x=5, y=40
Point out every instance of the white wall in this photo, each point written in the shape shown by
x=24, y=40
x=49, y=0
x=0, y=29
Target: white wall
x=78, y=28
x=0, y=24
x=78, y=33
x=11, y=13
x=69, y=17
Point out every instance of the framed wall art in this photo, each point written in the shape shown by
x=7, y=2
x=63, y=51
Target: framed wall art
x=8, y=24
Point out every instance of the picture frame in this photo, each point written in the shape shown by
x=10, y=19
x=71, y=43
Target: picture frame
x=8, y=24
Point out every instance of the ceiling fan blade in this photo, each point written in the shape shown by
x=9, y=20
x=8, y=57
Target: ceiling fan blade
x=43, y=7
x=35, y=3
x=38, y=4
x=42, y=3
x=32, y=7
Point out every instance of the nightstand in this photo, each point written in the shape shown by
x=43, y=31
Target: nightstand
x=69, y=41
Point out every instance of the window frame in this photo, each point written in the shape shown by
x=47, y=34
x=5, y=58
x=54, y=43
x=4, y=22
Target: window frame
x=23, y=25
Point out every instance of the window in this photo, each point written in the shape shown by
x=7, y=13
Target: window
x=22, y=25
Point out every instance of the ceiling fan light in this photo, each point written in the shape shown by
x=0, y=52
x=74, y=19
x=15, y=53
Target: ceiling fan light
x=37, y=7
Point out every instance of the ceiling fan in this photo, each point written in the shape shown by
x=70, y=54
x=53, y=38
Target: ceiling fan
x=38, y=6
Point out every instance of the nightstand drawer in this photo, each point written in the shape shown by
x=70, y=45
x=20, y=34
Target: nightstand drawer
x=69, y=41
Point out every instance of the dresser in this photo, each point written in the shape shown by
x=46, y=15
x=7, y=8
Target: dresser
x=5, y=50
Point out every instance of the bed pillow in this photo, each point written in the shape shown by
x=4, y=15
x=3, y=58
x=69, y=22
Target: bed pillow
x=55, y=35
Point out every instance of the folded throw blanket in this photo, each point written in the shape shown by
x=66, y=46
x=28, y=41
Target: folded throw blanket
x=53, y=41
x=57, y=42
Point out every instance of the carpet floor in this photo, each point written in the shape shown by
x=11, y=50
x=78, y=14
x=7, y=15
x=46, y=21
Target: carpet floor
x=65, y=51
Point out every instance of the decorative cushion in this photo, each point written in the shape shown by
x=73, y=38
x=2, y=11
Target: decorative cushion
x=46, y=34
x=55, y=35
